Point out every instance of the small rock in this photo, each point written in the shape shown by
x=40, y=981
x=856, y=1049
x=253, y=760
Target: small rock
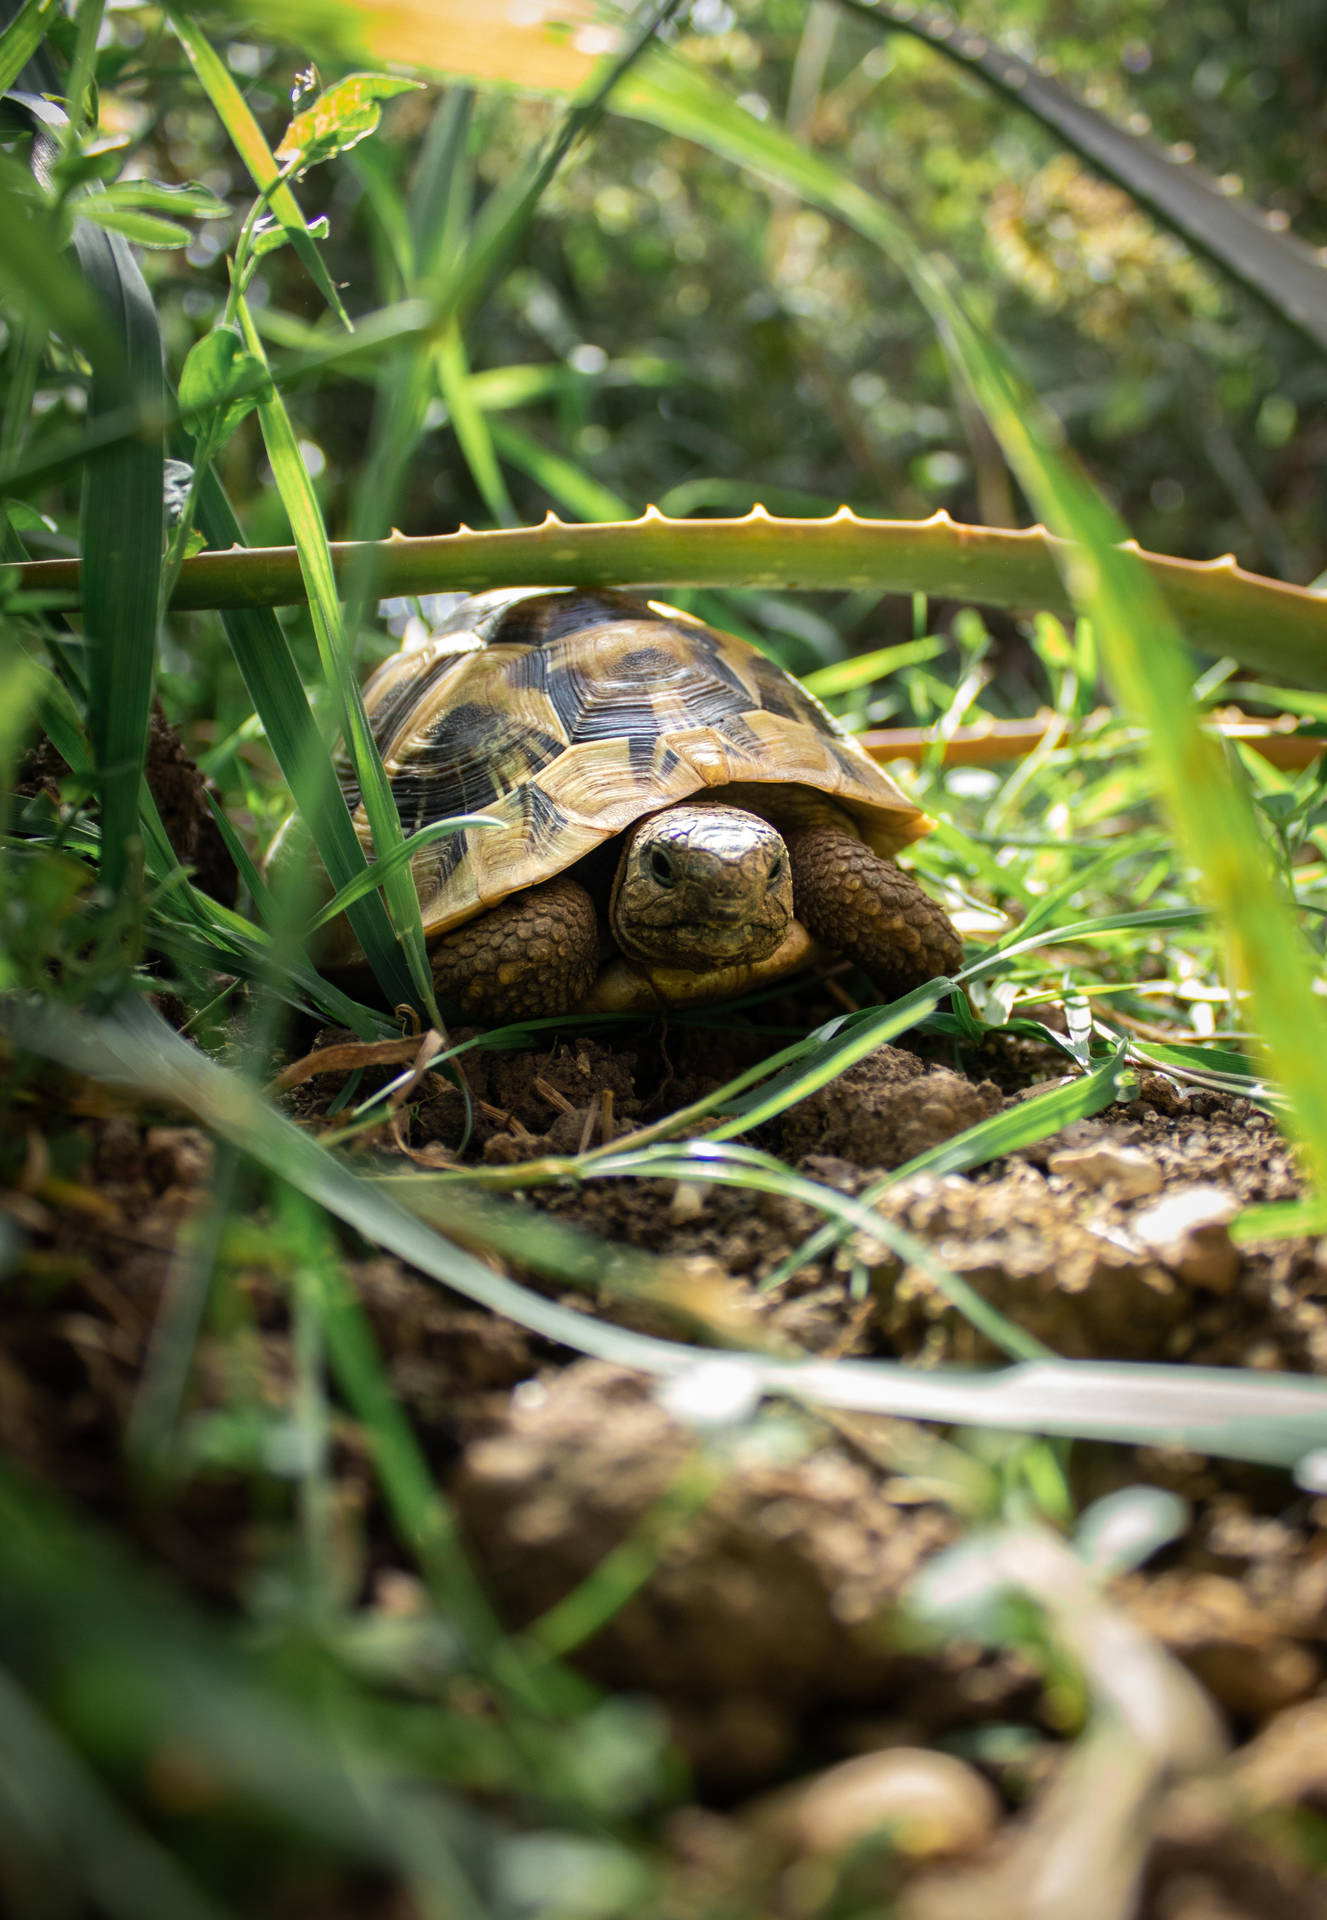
x=689, y=1201
x=1128, y=1172
x=1189, y=1232
x=928, y=1804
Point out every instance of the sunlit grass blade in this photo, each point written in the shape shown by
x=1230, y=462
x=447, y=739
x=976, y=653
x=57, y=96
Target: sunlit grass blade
x=272, y=678
x=234, y=113
x=306, y=522
x=574, y=490
x=845, y=676
x=382, y=870
x=705, y=1161
x=851, y=1041
x=1279, y=270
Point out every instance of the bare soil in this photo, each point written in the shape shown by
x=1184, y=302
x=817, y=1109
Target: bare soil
x=769, y=1629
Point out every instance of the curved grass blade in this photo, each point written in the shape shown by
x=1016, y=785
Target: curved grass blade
x=383, y=870
x=1275, y=1419
x=760, y=1173
x=1283, y=273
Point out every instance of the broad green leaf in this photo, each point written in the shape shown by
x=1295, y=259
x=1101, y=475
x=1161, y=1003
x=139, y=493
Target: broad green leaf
x=216, y=367
x=191, y=201
x=144, y=229
x=123, y=521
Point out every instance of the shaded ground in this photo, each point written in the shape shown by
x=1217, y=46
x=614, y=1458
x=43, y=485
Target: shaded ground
x=768, y=1629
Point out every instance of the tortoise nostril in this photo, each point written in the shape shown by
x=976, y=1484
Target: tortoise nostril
x=661, y=867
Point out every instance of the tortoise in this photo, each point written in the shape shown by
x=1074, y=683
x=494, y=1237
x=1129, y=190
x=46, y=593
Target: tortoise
x=680, y=819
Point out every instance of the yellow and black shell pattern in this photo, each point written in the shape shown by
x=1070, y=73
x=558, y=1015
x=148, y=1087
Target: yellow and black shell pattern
x=568, y=714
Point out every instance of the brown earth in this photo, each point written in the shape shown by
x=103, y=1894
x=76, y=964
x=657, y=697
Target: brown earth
x=770, y=1628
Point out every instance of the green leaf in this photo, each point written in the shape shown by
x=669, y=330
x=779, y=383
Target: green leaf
x=144, y=229
x=340, y=118
x=268, y=235
x=220, y=374
x=190, y=201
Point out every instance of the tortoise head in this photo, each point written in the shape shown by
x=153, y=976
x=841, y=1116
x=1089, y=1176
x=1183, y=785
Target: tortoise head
x=701, y=886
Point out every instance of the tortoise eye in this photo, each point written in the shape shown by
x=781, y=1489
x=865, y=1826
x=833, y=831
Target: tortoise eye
x=776, y=868
x=661, y=867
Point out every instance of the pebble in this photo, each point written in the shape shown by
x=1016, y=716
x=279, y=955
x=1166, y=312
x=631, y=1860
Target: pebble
x=1127, y=1172
x=930, y=1805
x=1189, y=1232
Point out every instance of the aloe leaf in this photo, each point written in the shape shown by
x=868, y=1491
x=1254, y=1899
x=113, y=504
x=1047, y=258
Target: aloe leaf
x=1279, y=270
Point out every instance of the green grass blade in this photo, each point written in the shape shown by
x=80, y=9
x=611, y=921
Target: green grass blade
x=272, y=678
x=233, y=111
x=91, y=1845
x=857, y=1036
x=1287, y=276
x=382, y=870
x=702, y=1161
x=22, y=37
x=122, y=530
x=310, y=534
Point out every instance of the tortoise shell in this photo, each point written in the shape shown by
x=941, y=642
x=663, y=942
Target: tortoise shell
x=567, y=715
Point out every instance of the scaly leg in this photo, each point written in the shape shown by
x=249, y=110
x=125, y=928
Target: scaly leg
x=865, y=907
x=537, y=953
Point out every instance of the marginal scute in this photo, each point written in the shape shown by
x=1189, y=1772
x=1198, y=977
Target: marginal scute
x=568, y=715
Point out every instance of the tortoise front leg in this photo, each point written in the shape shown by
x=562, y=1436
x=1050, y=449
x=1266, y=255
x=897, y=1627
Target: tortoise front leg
x=537, y=953
x=865, y=907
